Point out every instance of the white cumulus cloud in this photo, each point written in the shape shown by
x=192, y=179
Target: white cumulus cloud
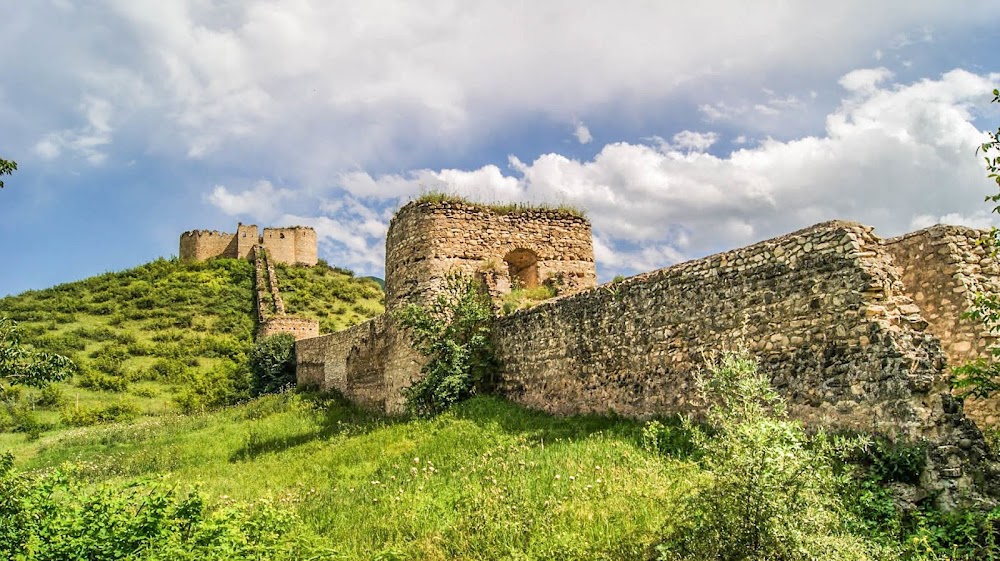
x=896, y=156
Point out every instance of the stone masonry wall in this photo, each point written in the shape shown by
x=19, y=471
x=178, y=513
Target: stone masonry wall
x=199, y=245
x=291, y=245
x=295, y=245
x=428, y=240
x=944, y=268
x=369, y=363
x=823, y=309
x=300, y=328
x=246, y=239
x=271, y=318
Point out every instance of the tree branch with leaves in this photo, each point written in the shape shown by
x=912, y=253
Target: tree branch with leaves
x=7, y=167
x=20, y=365
x=981, y=378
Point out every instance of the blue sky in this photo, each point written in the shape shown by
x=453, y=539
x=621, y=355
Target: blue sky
x=682, y=128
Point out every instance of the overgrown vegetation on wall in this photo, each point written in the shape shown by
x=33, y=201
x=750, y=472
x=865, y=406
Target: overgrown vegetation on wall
x=770, y=493
x=501, y=208
x=453, y=332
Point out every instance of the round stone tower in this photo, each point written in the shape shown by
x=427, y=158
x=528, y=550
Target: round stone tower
x=507, y=247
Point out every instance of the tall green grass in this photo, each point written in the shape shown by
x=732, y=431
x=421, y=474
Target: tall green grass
x=487, y=479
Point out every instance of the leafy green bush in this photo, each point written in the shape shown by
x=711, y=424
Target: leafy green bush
x=947, y=536
x=769, y=495
x=51, y=396
x=272, y=363
x=58, y=516
x=18, y=416
x=667, y=439
x=226, y=384
x=85, y=416
x=22, y=366
x=453, y=332
x=92, y=378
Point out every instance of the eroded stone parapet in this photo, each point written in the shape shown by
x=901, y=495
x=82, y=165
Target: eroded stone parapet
x=292, y=245
x=300, y=328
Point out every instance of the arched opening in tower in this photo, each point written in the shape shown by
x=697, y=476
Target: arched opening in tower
x=522, y=265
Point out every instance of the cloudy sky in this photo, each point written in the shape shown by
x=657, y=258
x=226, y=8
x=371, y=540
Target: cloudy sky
x=683, y=128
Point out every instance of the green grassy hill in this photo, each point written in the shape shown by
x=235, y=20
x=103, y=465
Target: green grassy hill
x=163, y=337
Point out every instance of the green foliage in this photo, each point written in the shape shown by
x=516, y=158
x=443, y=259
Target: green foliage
x=453, y=332
x=20, y=365
x=92, y=378
x=894, y=460
x=981, y=378
x=769, y=495
x=668, y=438
x=7, y=167
x=51, y=396
x=57, y=516
x=947, y=536
x=272, y=363
x=80, y=416
x=226, y=384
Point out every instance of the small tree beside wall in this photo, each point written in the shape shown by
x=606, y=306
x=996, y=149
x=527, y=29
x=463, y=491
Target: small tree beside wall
x=454, y=332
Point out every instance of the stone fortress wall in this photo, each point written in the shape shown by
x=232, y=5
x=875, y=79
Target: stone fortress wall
x=294, y=245
x=271, y=317
x=291, y=245
x=427, y=241
x=828, y=312
x=943, y=269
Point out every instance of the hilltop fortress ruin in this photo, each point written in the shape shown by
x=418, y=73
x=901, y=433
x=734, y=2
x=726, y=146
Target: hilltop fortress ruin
x=296, y=244
x=292, y=246
x=857, y=332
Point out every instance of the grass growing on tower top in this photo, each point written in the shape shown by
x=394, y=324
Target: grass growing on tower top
x=502, y=208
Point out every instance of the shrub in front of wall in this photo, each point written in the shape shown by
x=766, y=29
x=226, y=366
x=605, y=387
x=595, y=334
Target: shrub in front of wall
x=272, y=363
x=453, y=332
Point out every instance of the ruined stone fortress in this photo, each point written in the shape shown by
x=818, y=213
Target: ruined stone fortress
x=284, y=245
x=292, y=246
x=857, y=332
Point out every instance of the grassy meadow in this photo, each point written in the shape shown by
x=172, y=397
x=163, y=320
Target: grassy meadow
x=485, y=480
